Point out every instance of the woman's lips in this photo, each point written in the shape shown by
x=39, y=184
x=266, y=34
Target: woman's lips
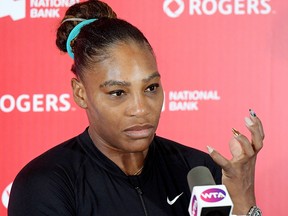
x=139, y=131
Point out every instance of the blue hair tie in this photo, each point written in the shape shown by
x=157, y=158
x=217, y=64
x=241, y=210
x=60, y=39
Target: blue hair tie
x=73, y=34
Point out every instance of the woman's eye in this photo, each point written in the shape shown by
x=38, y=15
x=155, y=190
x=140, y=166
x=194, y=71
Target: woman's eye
x=152, y=88
x=117, y=93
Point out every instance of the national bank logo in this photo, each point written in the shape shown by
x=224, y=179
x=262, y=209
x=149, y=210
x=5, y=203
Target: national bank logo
x=190, y=100
x=5, y=195
x=176, y=8
x=16, y=9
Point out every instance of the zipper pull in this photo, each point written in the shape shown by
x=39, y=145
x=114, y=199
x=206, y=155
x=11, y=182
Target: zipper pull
x=139, y=190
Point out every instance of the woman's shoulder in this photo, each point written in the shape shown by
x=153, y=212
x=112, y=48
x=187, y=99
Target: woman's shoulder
x=63, y=159
x=181, y=155
x=47, y=180
x=174, y=146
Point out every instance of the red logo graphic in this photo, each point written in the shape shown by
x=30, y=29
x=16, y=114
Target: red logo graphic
x=173, y=8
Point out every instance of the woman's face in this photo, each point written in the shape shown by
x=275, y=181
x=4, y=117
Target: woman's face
x=123, y=98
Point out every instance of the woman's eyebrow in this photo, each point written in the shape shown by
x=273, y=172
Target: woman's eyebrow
x=114, y=83
x=152, y=76
x=125, y=83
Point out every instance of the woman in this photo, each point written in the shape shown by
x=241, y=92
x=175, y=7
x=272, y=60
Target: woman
x=118, y=166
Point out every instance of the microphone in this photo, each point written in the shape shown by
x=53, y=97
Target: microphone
x=207, y=198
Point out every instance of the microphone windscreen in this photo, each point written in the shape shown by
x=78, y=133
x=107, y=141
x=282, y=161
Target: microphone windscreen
x=199, y=176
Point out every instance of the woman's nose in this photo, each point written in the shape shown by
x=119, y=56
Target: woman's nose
x=138, y=106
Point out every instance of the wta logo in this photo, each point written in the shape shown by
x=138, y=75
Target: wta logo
x=194, y=206
x=213, y=195
x=175, y=8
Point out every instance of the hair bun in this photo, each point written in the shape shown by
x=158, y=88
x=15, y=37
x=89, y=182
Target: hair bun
x=84, y=10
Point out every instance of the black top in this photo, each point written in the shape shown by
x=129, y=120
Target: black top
x=75, y=178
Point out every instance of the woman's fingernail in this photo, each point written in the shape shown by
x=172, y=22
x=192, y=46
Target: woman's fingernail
x=252, y=113
x=210, y=149
x=248, y=121
x=235, y=132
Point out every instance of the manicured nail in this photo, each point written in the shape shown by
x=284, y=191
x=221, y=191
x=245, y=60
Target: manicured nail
x=252, y=113
x=210, y=149
x=248, y=121
x=235, y=132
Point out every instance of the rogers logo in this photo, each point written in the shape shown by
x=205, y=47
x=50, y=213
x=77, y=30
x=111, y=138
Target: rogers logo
x=35, y=103
x=213, y=195
x=168, y=4
x=6, y=195
x=224, y=7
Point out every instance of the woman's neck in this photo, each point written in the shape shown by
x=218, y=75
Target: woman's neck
x=131, y=163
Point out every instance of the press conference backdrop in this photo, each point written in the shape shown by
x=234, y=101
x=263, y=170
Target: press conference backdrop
x=217, y=58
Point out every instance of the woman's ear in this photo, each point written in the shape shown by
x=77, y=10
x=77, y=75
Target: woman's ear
x=79, y=93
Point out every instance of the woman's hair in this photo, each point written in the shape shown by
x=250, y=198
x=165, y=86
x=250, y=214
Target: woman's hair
x=94, y=40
